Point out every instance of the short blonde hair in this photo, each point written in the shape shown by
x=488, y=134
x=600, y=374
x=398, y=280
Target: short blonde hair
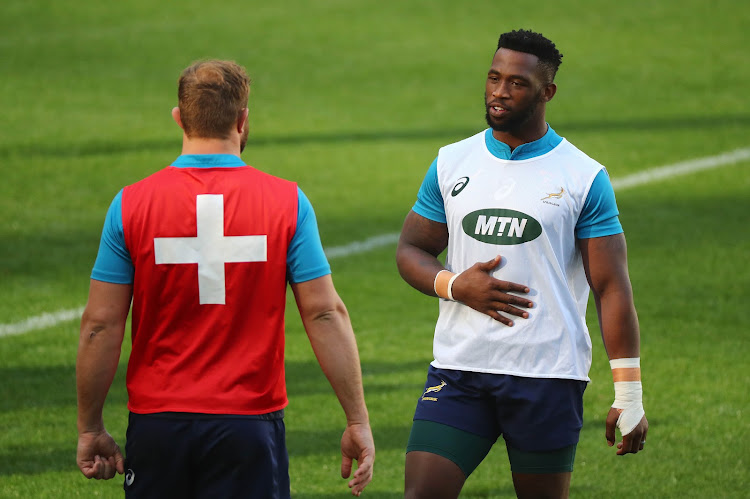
x=211, y=96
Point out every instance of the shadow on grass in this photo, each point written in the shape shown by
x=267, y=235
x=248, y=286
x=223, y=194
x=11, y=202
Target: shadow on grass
x=32, y=460
x=52, y=255
x=368, y=493
x=60, y=456
x=48, y=388
x=117, y=147
x=467, y=493
x=306, y=377
x=55, y=386
x=328, y=442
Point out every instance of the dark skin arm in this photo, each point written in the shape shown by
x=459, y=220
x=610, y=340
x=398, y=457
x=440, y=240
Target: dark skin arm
x=605, y=263
x=422, y=240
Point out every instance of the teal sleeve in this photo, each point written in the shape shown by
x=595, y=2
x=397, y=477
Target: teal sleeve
x=306, y=259
x=599, y=216
x=429, y=199
x=113, y=263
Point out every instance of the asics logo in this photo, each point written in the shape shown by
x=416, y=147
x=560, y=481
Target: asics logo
x=460, y=185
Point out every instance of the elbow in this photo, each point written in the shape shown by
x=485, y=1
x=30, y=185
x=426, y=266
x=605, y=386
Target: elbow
x=95, y=318
x=329, y=313
x=403, y=261
x=93, y=323
x=321, y=306
x=400, y=267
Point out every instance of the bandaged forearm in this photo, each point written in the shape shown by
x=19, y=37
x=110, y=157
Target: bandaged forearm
x=443, y=284
x=628, y=392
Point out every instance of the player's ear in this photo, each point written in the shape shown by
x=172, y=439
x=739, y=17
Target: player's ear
x=176, y=117
x=549, y=92
x=242, y=120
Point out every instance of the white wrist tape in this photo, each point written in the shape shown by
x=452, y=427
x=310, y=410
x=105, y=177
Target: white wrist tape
x=628, y=393
x=443, y=284
x=450, y=286
x=634, y=362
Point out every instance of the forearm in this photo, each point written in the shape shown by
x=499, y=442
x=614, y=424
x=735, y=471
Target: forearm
x=605, y=263
x=418, y=268
x=96, y=364
x=101, y=335
x=332, y=339
x=618, y=321
x=419, y=245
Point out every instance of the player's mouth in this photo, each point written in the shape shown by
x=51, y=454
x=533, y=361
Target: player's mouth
x=496, y=111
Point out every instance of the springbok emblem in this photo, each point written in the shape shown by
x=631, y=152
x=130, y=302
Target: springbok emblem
x=433, y=389
x=556, y=195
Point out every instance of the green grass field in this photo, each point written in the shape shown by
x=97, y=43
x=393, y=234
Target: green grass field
x=352, y=101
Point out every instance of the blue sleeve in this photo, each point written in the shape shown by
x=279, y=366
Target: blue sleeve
x=113, y=263
x=429, y=200
x=599, y=216
x=306, y=259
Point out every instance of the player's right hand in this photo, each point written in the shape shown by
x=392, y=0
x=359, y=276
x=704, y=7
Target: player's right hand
x=99, y=456
x=476, y=288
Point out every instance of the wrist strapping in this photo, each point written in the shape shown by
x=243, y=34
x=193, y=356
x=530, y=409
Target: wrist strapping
x=628, y=392
x=443, y=284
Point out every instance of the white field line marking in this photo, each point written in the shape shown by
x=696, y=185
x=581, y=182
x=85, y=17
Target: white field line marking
x=681, y=168
x=640, y=178
x=362, y=246
x=40, y=321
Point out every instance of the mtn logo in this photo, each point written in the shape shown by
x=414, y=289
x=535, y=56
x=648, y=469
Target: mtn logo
x=502, y=227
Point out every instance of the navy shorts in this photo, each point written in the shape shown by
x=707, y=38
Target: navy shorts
x=201, y=456
x=532, y=414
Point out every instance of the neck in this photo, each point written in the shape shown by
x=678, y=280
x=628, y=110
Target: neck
x=198, y=145
x=518, y=137
x=531, y=128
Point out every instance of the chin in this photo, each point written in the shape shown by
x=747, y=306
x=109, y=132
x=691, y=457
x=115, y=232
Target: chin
x=499, y=127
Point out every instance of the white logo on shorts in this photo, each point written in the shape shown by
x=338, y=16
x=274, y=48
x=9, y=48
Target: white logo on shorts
x=129, y=478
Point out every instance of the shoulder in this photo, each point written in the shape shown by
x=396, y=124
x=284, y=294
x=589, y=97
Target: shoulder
x=250, y=170
x=575, y=156
x=164, y=177
x=303, y=202
x=453, y=158
x=255, y=176
x=461, y=145
x=160, y=178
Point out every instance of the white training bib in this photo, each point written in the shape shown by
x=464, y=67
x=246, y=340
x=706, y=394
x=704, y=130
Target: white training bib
x=526, y=211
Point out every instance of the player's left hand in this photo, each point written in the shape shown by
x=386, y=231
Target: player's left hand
x=633, y=441
x=99, y=456
x=357, y=444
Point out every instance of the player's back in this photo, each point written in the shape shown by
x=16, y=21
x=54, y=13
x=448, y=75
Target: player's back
x=209, y=247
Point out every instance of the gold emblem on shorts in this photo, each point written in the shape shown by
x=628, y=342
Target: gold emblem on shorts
x=433, y=389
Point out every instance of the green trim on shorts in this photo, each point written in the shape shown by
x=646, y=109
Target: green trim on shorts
x=463, y=448
x=556, y=461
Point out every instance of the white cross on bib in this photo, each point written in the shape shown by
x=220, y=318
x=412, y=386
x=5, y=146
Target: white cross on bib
x=211, y=249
